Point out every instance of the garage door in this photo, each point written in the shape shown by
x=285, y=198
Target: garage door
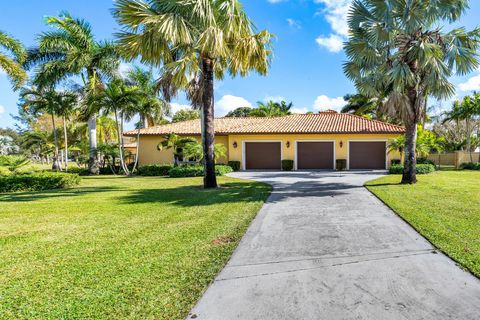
x=315, y=155
x=263, y=155
x=367, y=155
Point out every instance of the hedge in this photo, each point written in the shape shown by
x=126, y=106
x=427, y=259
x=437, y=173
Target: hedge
x=38, y=181
x=235, y=165
x=154, y=170
x=471, y=166
x=421, y=169
x=197, y=171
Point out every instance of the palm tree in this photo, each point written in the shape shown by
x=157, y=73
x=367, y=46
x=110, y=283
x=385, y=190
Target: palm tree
x=271, y=109
x=176, y=143
x=466, y=110
x=118, y=98
x=38, y=143
x=106, y=129
x=361, y=105
x=196, y=42
x=46, y=100
x=150, y=107
x=396, y=49
x=397, y=145
x=69, y=50
x=194, y=150
x=13, y=67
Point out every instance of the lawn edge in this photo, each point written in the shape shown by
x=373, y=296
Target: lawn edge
x=457, y=263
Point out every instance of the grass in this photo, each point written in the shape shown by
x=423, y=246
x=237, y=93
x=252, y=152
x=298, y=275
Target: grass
x=444, y=207
x=119, y=248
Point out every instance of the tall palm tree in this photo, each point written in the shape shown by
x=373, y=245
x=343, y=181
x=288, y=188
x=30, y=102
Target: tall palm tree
x=396, y=49
x=106, y=129
x=361, y=105
x=71, y=49
x=117, y=98
x=196, y=42
x=150, y=108
x=12, y=64
x=271, y=109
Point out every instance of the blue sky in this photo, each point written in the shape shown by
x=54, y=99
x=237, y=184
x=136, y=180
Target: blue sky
x=306, y=69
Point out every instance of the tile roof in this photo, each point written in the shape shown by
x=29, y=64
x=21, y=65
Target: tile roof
x=324, y=122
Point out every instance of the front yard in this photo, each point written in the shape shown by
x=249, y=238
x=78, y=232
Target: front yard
x=119, y=247
x=444, y=207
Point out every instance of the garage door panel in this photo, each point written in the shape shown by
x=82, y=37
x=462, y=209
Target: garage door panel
x=315, y=155
x=367, y=155
x=263, y=155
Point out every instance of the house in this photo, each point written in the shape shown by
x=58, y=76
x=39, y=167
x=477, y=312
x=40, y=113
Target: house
x=313, y=141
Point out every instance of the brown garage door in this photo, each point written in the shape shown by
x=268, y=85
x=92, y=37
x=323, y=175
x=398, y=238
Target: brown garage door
x=315, y=155
x=263, y=155
x=367, y=155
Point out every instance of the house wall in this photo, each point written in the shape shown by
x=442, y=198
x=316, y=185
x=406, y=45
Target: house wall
x=288, y=153
x=149, y=154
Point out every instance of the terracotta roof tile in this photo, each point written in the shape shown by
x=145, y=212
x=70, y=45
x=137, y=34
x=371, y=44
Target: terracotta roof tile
x=324, y=122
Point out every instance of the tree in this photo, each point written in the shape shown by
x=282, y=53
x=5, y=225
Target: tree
x=38, y=143
x=13, y=66
x=176, y=144
x=272, y=109
x=362, y=105
x=196, y=42
x=69, y=50
x=118, y=98
x=149, y=106
x=185, y=114
x=396, y=49
x=241, y=112
x=194, y=150
x=466, y=110
x=397, y=145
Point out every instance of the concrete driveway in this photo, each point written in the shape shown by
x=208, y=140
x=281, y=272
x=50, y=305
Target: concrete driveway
x=323, y=247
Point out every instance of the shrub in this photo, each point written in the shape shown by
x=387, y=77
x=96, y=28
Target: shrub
x=396, y=162
x=471, y=166
x=341, y=164
x=235, y=165
x=425, y=161
x=78, y=170
x=38, y=181
x=4, y=171
x=287, y=165
x=196, y=171
x=154, y=170
x=421, y=169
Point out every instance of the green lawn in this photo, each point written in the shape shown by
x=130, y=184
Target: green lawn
x=444, y=207
x=136, y=248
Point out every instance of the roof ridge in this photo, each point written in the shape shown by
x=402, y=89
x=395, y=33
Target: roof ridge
x=374, y=120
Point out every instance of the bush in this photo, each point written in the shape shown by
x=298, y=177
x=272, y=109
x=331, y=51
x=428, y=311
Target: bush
x=396, y=162
x=4, y=172
x=38, y=181
x=471, y=166
x=196, y=171
x=78, y=170
x=421, y=169
x=341, y=164
x=425, y=161
x=287, y=165
x=154, y=170
x=235, y=165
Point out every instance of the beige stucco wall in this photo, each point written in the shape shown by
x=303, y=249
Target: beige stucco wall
x=288, y=153
x=148, y=153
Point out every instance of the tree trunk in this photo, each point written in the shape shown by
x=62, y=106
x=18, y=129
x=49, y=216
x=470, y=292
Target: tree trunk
x=120, y=144
x=55, y=164
x=92, y=139
x=410, y=163
x=209, y=180
x=136, y=151
x=66, y=142
x=469, y=138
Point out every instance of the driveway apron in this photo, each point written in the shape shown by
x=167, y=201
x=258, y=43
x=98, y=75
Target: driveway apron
x=323, y=247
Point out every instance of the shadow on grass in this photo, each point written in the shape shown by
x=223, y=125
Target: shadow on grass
x=39, y=195
x=188, y=196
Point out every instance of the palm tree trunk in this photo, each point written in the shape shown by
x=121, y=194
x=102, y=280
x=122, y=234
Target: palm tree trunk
x=209, y=180
x=136, y=152
x=55, y=164
x=469, y=139
x=92, y=139
x=66, y=142
x=120, y=145
x=409, y=171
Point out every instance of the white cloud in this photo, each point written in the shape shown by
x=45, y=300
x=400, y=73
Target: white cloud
x=123, y=68
x=2, y=109
x=471, y=84
x=333, y=43
x=335, y=12
x=175, y=107
x=2, y=72
x=294, y=24
x=300, y=110
x=275, y=1
x=324, y=102
x=274, y=98
x=228, y=103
